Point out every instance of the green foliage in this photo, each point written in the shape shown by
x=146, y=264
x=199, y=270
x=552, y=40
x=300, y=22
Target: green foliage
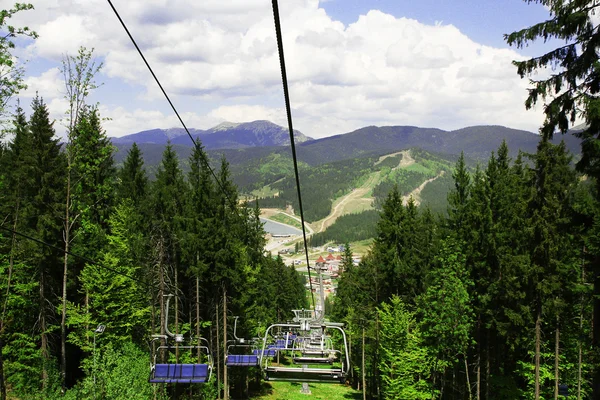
x=405, y=364
x=133, y=182
x=11, y=74
x=121, y=373
x=446, y=315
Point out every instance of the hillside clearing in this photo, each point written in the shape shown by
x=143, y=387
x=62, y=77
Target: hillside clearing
x=415, y=194
x=347, y=203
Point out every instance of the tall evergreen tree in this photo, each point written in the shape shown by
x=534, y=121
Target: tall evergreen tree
x=458, y=197
x=551, y=276
x=93, y=188
x=573, y=90
x=46, y=203
x=167, y=207
x=133, y=182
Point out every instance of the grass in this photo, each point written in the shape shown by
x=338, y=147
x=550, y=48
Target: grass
x=291, y=391
x=416, y=167
x=362, y=246
x=265, y=191
x=284, y=219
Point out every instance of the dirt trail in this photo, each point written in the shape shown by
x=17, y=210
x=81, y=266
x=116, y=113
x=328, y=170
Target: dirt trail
x=406, y=160
x=416, y=193
x=357, y=195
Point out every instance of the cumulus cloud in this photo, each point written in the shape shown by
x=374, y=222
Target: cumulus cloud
x=380, y=70
x=49, y=83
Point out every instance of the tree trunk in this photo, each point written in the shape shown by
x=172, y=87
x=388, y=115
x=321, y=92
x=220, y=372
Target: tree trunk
x=376, y=361
x=556, y=355
x=176, y=314
x=538, y=322
x=225, y=381
x=63, y=319
x=487, y=365
x=161, y=300
x=468, y=379
x=43, y=335
x=364, y=377
x=218, y=352
x=198, y=316
x=478, y=393
x=2, y=385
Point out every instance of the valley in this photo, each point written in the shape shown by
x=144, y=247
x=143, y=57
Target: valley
x=358, y=199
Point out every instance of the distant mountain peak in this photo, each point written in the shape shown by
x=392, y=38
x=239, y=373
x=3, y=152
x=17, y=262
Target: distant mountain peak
x=174, y=132
x=223, y=126
x=226, y=135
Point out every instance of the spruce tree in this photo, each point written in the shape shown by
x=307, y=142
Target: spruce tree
x=459, y=196
x=167, y=208
x=551, y=275
x=46, y=204
x=133, y=182
x=573, y=92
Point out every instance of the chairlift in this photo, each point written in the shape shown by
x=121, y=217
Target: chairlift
x=240, y=352
x=314, y=351
x=305, y=324
x=178, y=372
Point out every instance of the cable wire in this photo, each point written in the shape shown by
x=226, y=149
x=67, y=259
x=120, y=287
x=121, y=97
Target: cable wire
x=289, y=118
x=288, y=109
x=84, y=258
x=196, y=144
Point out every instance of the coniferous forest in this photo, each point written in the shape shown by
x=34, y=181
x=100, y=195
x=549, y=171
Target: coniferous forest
x=498, y=298
x=87, y=244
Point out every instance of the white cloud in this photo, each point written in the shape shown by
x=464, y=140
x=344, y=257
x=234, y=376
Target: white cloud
x=48, y=84
x=378, y=70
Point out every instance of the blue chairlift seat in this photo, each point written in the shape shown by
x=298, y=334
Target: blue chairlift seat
x=179, y=373
x=238, y=360
x=270, y=352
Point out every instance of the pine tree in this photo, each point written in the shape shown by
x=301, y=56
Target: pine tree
x=93, y=189
x=458, y=197
x=167, y=208
x=133, y=182
x=446, y=313
x=551, y=275
x=573, y=90
x=46, y=202
x=17, y=164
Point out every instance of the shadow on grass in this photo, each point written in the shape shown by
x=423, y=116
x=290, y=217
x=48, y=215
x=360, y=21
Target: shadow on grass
x=265, y=389
x=355, y=396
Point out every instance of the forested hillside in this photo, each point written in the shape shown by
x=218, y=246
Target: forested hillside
x=84, y=244
x=491, y=301
x=482, y=280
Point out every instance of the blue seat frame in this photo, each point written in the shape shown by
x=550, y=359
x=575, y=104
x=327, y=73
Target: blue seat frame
x=179, y=373
x=239, y=360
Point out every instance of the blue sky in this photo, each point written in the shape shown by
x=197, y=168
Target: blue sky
x=351, y=63
x=485, y=21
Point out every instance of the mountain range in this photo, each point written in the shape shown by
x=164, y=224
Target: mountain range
x=226, y=135
x=242, y=142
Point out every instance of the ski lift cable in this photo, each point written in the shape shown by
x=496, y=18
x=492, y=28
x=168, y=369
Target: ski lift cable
x=196, y=144
x=288, y=109
x=83, y=258
x=289, y=118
